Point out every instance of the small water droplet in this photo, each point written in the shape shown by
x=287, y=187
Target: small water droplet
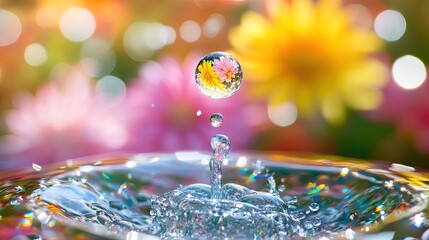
x=308, y=224
x=43, y=217
x=133, y=235
x=16, y=189
x=16, y=200
x=199, y=113
x=104, y=220
x=220, y=142
x=69, y=163
x=271, y=184
x=34, y=237
x=216, y=119
x=314, y=206
x=281, y=188
x=218, y=75
x=36, y=167
x=317, y=222
x=297, y=216
x=259, y=166
x=293, y=200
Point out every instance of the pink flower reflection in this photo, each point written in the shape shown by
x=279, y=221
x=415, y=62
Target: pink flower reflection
x=61, y=121
x=225, y=68
x=162, y=111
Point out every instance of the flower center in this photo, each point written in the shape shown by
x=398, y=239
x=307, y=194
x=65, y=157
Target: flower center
x=208, y=77
x=305, y=60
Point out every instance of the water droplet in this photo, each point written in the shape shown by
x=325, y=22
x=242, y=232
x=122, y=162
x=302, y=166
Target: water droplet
x=216, y=119
x=36, y=167
x=199, y=113
x=259, y=166
x=297, y=216
x=34, y=237
x=317, y=222
x=16, y=200
x=308, y=224
x=271, y=184
x=44, y=217
x=220, y=142
x=69, y=163
x=281, y=188
x=133, y=235
x=314, y=207
x=17, y=189
x=218, y=75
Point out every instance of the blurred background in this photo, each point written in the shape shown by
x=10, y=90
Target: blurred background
x=346, y=78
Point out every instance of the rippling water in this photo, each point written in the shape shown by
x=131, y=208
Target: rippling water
x=112, y=197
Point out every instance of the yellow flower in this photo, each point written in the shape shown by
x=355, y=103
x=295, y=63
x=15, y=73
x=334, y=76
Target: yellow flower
x=208, y=76
x=310, y=54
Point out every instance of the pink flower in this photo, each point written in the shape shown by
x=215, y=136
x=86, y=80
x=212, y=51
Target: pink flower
x=409, y=111
x=163, y=107
x=225, y=68
x=61, y=121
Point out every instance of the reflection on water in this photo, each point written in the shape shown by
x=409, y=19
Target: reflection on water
x=111, y=197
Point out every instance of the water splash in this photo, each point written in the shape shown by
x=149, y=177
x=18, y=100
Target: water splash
x=220, y=145
x=93, y=198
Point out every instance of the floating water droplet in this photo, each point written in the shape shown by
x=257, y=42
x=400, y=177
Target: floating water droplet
x=314, y=206
x=216, y=119
x=281, y=188
x=218, y=75
x=36, y=167
x=199, y=113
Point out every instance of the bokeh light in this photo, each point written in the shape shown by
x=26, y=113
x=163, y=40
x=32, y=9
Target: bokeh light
x=10, y=27
x=390, y=25
x=167, y=35
x=360, y=15
x=190, y=31
x=141, y=39
x=77, y=24
x=409, y=72
x=283, y=115
x=47, y=17
x=213, y=25
x=35, y=54
x=98, y=57
x=110, y=90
